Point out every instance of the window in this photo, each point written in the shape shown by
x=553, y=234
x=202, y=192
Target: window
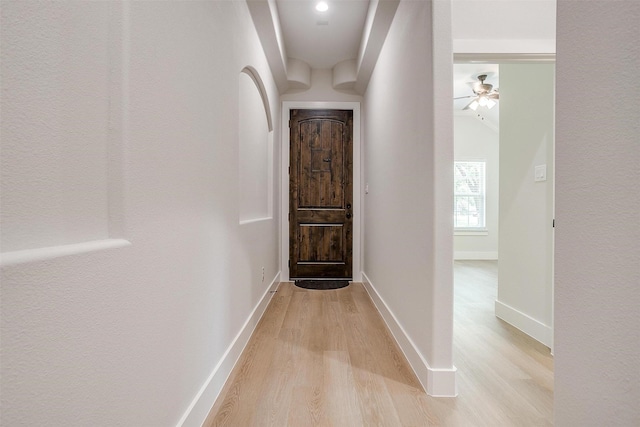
x=469, y=195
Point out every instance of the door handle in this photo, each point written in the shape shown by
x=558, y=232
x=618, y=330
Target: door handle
x=348, y=215
x=348, y=205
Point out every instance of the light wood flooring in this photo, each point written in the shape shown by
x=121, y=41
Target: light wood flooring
x=326, y=358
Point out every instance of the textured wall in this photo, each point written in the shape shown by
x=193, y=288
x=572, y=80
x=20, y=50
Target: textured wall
x=597, y=346
x=55, y=121
x=126, y=336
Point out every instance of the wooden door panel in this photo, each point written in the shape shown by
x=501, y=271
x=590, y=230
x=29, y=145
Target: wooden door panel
x=321, y=193
x=321, y=163
x=320, y=243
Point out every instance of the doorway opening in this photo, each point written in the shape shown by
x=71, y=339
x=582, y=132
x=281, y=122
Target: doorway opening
x=504, y=204
x=509, y=211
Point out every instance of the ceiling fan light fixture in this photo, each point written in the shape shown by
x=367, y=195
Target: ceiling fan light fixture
x=484, y=95
x=322, y=6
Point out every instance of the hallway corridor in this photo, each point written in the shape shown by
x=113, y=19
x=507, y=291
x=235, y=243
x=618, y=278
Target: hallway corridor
x=326, y=358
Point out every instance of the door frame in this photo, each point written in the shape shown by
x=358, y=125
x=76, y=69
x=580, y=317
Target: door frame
x=287, y=106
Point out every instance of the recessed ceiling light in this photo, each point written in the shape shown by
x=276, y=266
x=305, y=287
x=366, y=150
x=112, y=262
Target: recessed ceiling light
x=322, y=6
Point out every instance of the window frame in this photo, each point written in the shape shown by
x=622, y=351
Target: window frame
x=471, y=230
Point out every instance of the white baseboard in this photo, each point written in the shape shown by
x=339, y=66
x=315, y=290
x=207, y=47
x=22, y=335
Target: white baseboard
x=436, y=382
x=197, y=412
x=530, y=326
x=475, y=255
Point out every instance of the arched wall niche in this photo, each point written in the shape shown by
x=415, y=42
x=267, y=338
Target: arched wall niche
x=255, y=135
x=251, y=72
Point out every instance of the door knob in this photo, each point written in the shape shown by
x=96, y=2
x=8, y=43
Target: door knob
x=348, y=205
x=348, y=215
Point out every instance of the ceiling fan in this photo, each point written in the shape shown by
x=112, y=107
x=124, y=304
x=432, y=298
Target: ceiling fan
x=484, y=94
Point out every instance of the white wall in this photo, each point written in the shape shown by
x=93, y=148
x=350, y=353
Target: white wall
x=126, y=110
x=597, y=346
x=399, y=218
x=474, y=140
x=525, y=283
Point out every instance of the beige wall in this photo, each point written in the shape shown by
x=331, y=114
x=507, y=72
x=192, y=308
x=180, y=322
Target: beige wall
x=525, y=288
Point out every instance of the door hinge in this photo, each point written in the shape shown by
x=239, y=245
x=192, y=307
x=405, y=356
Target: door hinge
x=289, y=263
x=289, y=170
x=289, y=123
x=289, y=217
x=553, y=223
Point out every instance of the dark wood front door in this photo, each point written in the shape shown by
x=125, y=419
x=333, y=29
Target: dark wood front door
x=321, y=194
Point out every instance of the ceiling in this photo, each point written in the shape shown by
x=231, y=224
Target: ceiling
x=355, y=30
x=322, y=39
x=493, y=20
x=346, y=39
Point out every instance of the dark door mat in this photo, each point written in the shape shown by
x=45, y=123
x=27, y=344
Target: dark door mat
x=322, y=284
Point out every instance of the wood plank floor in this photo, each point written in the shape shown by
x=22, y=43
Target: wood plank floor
x=326, y=358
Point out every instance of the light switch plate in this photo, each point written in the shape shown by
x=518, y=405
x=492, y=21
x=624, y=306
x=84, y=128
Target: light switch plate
x=540, y=173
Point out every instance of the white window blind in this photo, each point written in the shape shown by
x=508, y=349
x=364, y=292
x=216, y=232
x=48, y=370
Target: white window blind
x=469, y=195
